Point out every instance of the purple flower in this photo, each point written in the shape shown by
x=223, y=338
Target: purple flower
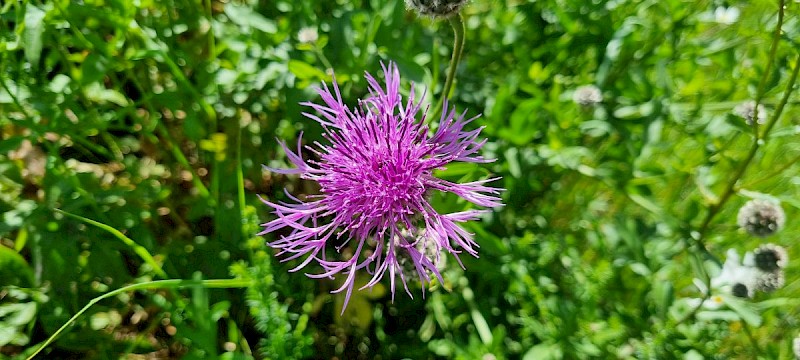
x=375, y=178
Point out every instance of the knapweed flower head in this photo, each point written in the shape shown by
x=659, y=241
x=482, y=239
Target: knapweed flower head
x=771, y=257
x=761, y=217
x=436, y=8
x=376, y=174
x=747, y=111
x=587, y=95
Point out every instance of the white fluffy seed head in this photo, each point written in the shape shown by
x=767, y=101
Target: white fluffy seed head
x=587, y=95
x=761, y=217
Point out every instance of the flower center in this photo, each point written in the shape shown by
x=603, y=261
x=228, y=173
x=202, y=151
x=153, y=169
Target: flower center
x=393, y=185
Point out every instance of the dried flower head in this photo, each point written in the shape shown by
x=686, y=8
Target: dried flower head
x=770, y=281
x=747, y=111
x=436, y=8
x=375, y=177
x=771, y=257
x=761, y=217
x=587, y=95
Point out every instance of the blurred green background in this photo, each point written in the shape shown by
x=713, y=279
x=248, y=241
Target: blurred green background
x=154, y=118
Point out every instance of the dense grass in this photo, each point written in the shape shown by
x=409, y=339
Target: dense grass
x=133, y=134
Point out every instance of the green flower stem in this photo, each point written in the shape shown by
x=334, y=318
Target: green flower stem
x=216, y=168
x=784, y=100
x=776, y=37
x=240, y=193
x=158, y=284
x=138, y=249
x=457, y=22
x=435, y=63
x=481, y=326
x=775, y=173
x=239, y=166
x=212, y=49
x=756, y=349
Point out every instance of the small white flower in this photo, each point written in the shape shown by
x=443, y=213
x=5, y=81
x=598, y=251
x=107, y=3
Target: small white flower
x=747, y=111
x=587, y=95
x=734, y=272
x=308, y=35
x=727, y=15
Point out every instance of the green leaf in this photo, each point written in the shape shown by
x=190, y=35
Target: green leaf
x=18, y=314
x=747, y=311
x=14, y=270
x=60, y=84
x=93, y=69
x=19, y=92
x=97, y=93
x=718, y=315
x=305, y=71
x=32, y=35
x=12, y=335
x=634, y=112
x=544, y=352
x=245, y=16
x=12, y=143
